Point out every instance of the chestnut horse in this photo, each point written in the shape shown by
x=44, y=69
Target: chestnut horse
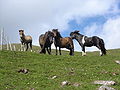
x=63, y=42
x=85, y=41
x=25, y=40
x=45, y=41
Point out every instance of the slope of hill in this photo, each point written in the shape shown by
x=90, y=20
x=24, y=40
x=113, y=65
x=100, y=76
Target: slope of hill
x=74, y=69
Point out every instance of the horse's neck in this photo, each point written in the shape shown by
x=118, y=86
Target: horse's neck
x=79, y=37
x=57, y=41
x=23, y=37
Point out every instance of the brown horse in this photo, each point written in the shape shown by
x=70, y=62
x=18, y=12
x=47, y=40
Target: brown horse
x=45, y=41
x=25, y=40
x=63, y=42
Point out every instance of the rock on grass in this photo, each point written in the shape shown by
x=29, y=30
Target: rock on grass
x=104, y=82
x=117, y=61
x=105, y=88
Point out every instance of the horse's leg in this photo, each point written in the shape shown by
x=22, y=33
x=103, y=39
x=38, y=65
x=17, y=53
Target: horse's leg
x=83, y=51
x=48, y=51
x=72, y=49
x=26, y=46
x=43, y=50
x=50, y=48
x=71, y=52
x=31, y=46
x=56, y=50
x=22, y=47
x=101, y=53
x=59, y=50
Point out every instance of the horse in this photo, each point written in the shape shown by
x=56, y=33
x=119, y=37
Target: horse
x=25, y=40
x=85, y=41
x=61, y=42
x=45, y=41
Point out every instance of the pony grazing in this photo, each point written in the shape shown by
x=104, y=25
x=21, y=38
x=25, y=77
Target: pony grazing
x=88, y=42
x=25, y=40
x=61, y=42
x=45, y=41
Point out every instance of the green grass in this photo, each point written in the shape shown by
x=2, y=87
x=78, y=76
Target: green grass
x=42, y=67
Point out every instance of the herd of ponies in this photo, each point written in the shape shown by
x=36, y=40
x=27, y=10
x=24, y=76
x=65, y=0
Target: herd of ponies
x=54, y=36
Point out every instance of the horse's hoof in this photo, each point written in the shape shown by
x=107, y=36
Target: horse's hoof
x=83, y=53
x=49, y=53
x=41, y=52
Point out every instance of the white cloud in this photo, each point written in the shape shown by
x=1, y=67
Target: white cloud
x=111, y=33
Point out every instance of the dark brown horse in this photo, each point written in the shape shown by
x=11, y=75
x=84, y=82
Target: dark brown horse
x=85, y=41
x=63, y=42
x=25, y=40
x=45, y=41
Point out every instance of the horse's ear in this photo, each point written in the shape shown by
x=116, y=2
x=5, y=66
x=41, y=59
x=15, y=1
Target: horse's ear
x=21, y=30
x=53, y=29
x=76, y=31
x=56, y=29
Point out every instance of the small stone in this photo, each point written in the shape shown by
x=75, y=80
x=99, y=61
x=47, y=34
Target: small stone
x=65, y=83
x=25, y=71
x=32, y=89
x=76, y=84
x=54, y=77
x=105, y=82
x=105, y=88
x=118, y=62
x=114, y=73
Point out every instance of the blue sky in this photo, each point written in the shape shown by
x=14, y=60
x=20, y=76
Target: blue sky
x=73, y=25
x=91, y=17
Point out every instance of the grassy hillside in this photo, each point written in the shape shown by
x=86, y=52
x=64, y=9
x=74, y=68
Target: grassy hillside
x=75, y=69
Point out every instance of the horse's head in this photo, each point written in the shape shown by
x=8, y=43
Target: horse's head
x=50, y=36
x=56, y=33
x=73, y=34
x=21, y=33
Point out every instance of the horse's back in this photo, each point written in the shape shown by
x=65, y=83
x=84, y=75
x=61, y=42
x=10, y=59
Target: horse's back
x=41, y=39
x=66, y=41
x=97, y=40
x=28, y=38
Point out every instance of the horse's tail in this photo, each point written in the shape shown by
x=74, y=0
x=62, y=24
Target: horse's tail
x=102, y=45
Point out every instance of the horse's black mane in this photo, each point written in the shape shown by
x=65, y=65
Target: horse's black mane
x=76, y=32
x=57, y=32
x=59, y=35
x=48, y=33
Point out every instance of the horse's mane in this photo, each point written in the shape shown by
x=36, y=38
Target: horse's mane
x=76, y=32
x=59, y=35
x=47, y=35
